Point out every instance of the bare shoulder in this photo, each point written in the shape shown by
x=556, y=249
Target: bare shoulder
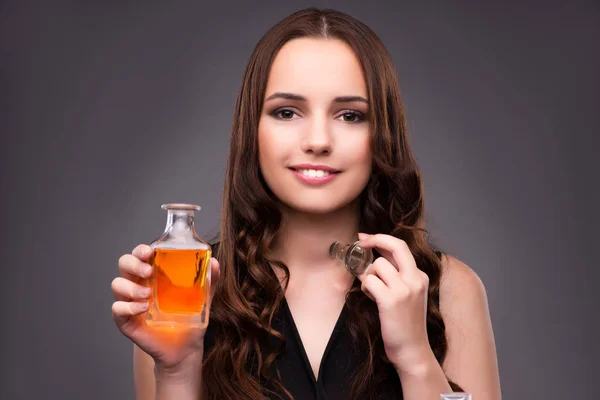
x=459, y=283
x=471, y=359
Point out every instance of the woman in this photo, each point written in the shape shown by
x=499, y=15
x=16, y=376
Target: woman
x=319, y=152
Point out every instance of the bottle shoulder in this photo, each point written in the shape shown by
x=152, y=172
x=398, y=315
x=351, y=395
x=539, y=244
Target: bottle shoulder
x=191, y=241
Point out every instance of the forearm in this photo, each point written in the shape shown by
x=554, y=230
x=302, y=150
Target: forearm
x=177, y=390
x=184, y=384
x=170, y=390
x=425, y=380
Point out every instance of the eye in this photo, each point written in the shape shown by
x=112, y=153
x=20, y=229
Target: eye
x=284, y=114
x=349, y=116
x=352, y=116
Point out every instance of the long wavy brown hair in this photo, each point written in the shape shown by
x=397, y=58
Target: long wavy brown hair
x=248, y=293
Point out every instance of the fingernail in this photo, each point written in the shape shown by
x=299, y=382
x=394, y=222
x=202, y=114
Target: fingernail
x=146, y=291
x=147, y=270
x=143, y=306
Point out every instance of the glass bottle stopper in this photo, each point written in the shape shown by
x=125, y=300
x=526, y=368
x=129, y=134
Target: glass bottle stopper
x=455, y=396
x=355, y=258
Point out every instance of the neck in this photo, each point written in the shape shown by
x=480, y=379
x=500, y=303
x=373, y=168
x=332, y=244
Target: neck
x=303, y=240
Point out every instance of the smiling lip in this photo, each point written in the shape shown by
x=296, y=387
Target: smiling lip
x=314, y=180
x=315, y=167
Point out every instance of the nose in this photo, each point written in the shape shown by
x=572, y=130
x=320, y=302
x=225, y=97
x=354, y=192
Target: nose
x=317, y=138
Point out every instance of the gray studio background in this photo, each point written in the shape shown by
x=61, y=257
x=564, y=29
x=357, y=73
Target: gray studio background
x=110, y=109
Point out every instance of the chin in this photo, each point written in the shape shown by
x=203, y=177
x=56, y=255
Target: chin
x=313, y=209
x=315, y=206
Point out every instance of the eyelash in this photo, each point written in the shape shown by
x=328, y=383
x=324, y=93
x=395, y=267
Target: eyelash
x=357, y=114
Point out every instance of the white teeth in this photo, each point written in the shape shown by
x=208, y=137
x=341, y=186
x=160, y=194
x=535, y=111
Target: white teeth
x=313, y=173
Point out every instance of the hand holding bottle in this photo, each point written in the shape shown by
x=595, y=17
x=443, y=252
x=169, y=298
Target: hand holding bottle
x=168, y=347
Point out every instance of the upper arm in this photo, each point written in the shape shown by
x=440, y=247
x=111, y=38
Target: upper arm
x=143, y=374
x=471, y=359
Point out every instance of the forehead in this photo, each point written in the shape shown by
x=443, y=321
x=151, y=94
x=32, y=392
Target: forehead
x=313, y=66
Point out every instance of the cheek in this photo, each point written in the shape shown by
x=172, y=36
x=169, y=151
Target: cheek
x=364, y=152
x=272, y=151
x=358, y=151
x=362, y=159
x=265, y=143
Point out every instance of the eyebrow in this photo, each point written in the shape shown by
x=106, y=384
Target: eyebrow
x=297, y=97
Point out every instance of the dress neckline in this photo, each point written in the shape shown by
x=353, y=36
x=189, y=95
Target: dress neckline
x=331, y=341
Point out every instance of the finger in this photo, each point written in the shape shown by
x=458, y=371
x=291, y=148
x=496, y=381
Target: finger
x=395, y=250
x=124, y=288
x=366, y=291
x=385, y=271
x=131, y=266
x=143, y=252
x=375, y=289
x=123, y=310
x=363, y=236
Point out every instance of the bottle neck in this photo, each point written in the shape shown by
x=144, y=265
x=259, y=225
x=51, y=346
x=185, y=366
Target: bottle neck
x=180, y=221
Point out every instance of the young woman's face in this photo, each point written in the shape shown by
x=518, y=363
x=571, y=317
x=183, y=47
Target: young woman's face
x=313, y=133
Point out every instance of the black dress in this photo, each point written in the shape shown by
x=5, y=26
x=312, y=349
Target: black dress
x=337, y=365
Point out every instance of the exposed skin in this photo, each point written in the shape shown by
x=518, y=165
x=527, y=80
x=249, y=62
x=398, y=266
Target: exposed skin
x=322, y=131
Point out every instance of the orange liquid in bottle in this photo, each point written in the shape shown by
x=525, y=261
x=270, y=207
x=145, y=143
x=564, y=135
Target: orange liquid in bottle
x=180, y=283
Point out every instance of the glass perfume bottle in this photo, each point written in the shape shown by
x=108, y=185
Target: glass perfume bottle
x=355, y=258
x=455, y=396
x=181, y=279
